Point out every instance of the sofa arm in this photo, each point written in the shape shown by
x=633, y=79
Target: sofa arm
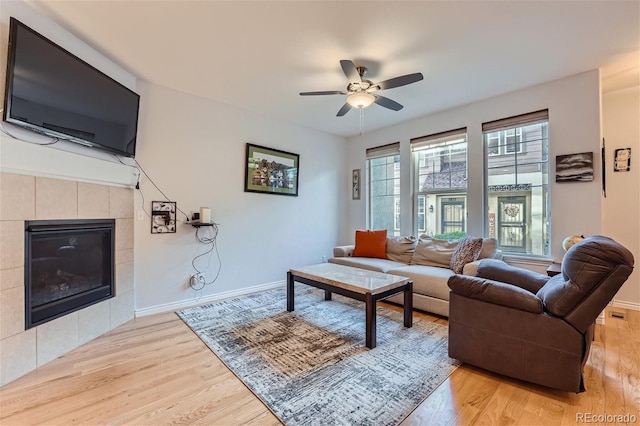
x=343, y=251
x=495, y=292
x=497, y=270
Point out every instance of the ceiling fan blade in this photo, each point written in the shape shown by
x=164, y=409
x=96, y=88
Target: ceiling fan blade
x=399, y=81
x=328, y=92
x=350, y=71
x=345, y=109
x=387, y=103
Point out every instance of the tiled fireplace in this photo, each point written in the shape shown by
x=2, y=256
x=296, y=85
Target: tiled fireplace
x=28, y=200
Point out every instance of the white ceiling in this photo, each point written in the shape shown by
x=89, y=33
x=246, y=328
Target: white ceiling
x=259, y=55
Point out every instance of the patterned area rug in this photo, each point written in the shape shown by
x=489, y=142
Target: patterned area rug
x=311, y=366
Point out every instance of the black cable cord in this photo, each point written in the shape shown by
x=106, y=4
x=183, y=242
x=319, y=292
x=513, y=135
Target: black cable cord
x=214, y=247
x=142, y=196
x=159, y=190
x=3, y=130
x=133, y=167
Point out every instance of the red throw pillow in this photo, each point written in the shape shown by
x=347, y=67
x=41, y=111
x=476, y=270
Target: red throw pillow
x=371, y=244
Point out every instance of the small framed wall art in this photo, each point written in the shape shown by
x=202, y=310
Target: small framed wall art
x=574, y=167
x=163, y=217
x=622, y=160
x=355, y=184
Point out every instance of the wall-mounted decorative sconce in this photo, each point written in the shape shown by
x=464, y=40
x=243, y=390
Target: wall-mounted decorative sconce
x=431, y=208
x=163, y=217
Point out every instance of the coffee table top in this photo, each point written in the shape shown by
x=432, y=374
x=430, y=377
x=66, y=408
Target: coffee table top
x=350, y=278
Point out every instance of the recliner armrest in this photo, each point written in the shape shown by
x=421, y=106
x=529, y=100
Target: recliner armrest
x=495, y=292
x=471, y=268
x=343, y=251
x=498, y=270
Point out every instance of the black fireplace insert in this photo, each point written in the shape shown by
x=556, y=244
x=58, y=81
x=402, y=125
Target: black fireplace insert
x=69, y=265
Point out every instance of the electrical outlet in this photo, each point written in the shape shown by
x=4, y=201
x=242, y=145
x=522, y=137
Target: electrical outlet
x=324, y=259
x=140, y=215
x=197, y=281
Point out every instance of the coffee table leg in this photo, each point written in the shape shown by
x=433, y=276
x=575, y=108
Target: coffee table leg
x=408, y=304
x=370, y=321
x=290, y=292
x=327, y=295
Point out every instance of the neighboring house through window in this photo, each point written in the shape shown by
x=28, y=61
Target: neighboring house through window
x=441, y=184
x=504, y=142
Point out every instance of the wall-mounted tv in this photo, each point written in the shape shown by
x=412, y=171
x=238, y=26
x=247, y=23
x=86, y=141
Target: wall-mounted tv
x=53, y=92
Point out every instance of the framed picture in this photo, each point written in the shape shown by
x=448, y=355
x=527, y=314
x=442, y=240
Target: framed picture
x=574, y=167
x=622, y=160
x=271, y=171
x=355, y=184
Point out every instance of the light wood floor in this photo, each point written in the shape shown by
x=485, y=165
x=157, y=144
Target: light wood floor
x=154, y=370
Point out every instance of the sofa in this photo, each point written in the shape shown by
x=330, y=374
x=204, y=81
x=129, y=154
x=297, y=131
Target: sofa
x=426, y=261
x=532, y=327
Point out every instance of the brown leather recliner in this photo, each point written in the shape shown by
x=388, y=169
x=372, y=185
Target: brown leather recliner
x=531, y=327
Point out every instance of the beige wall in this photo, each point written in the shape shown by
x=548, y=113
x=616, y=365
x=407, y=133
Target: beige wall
x=24, y=197
x=621, y=210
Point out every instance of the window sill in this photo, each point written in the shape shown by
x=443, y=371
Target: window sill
x=536, y=262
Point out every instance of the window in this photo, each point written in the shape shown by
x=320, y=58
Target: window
x=517, y=176
x=440, y=184
x=383, y=172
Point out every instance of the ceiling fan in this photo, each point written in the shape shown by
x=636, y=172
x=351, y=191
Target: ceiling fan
x=361, y=93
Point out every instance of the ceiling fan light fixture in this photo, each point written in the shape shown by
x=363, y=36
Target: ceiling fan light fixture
x=360, y=99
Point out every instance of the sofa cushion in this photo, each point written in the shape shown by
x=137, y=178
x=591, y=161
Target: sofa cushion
x=489, y=248
x=371, y=244
x=369, y=263
x=427, y=280
x=433, y=252
x=467, y=251
x=401, y=249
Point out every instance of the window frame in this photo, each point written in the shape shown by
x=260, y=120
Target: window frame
x=536, y=193
x=449, y=139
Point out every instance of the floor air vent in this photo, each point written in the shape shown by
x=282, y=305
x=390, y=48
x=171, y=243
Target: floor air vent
x=618, y=315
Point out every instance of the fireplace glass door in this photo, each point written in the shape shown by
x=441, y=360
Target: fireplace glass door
x=69, y=266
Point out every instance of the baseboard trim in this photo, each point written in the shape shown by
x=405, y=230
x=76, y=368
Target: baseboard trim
x=174, y=306
x=626, y=305
x=183, y=304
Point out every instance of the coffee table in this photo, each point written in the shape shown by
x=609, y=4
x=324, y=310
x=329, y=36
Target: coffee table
x=355, y=283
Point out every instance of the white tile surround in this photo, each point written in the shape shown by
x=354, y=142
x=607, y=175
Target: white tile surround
x=24, y=197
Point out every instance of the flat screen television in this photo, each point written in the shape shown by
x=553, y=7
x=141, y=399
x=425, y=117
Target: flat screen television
x=51, y=91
